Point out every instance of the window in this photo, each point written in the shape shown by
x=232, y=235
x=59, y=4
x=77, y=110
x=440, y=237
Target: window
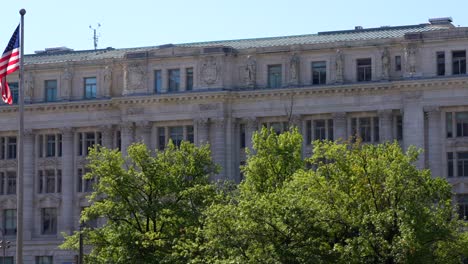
x=399, y=127
x=7, y=260
x=157, y=81
x=242, y=135
x=397, y=63
x=278, y=127
x=174, y=80
x=176, y=134
x=2, y=148
x=462, y=124
x=462, y=200
x=44, y=260
x=14, y=91
x=319, y=72
x=11, y=182
x=274, y=76
x=190, y=134
x=84, y=185
x=365, y=128
x=459, y=62
x=161, y=138
x=440, y=63
x=11, y=147
x=450, y=164
x=448, y=123
x=364, y=70
x=50, y=145
x=9, y=222
x=462, y=164
x=90, y=87
x=49, y=181
x=50, y=90
x=189, y=79
x=88, y=140
x=49, y=221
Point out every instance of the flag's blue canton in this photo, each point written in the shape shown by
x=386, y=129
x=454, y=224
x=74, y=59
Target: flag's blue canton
x=14, y=41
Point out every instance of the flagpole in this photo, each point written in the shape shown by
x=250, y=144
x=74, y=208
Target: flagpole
x=19, y=187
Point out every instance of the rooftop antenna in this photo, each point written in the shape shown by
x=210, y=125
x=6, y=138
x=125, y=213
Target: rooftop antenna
x=95, y=36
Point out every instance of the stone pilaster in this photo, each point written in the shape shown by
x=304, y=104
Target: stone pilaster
x=413, y=123
x=250, y=127
x=218, y=148
x=28, y=184
x=434, y=143
x=339, y=126
x=385, y=126
x=229, y=149
x=107, y=136
x=201, y=131
x=143, y=132
x=126, y=134
x=67, y=204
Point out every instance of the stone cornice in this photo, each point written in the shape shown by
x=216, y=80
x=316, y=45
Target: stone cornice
x=224, y=95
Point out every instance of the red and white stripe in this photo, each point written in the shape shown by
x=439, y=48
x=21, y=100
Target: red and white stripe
x=9, y=63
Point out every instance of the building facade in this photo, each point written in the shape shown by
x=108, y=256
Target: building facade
x=405, y=83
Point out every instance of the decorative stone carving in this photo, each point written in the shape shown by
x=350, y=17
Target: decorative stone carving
x=209, y=70
x=410, y=57
x=207, y=107
x=202, y=123
x=218, y=122
x=66, y=86
x=385, y=64
x=28, y=87
x=339, y=66
x=294, y=64
x=107, y=84
x=250, y=72
x=340, y=116
x=135, y=110
x=135, y=77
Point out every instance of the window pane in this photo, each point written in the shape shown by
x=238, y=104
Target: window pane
x=11, y=147
x=397, y=63
x=14, y=91
x=161, y=138
x=440, y=63
x=450, y=164
x=189, y=79
x=319, y=129
x=459, y=62
x=157, y=81
x=51, y=90
x=174, y=80
x=49, y=221
x=319, y=72
x=364, y=70
x=11, y=182
x=9, y=222
x=274, y=76
x=90, y=87
x=176, y=134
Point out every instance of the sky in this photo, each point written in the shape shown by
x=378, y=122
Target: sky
x=140, y=23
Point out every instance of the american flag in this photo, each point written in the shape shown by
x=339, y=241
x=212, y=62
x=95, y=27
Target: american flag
x=9, y=63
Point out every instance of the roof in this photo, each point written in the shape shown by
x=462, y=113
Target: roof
x=319, y=38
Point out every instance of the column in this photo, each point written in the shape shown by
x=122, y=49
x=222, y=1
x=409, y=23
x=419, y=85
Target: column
x=126, y=134
x=143, y=132
x=229, y=148
x=68, y=172
x=28, y=185
x=201, y=131
x=218, y=145
x=434, y=144
x=413, y=123
x=339, y=126
x=385, y=126
x=107, y=136
x=251, y=126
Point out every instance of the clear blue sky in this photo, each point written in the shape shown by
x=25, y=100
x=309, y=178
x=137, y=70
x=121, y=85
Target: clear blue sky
x=137, y=23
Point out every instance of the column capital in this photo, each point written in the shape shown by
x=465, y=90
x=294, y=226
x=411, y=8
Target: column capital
x=432, y=111
x=218, y=122
x=339, y=115
x=126, y=126
x=28, y=132
x=201, y=122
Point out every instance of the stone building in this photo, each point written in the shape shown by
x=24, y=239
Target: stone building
x=405, y=83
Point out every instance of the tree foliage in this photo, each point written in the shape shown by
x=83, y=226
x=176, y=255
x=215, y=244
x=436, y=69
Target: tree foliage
x=152, y=204
x=353, y=204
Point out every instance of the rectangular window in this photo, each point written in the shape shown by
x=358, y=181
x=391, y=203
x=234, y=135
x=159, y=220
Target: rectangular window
x=49, y=221
x=364, y=70
x=399, y=127
x=161, y=138
x=319, y=130
x=319, y=72
x=14, y=91
x=365, y=129
x=2, y=147
x=448, y=123
x=44, y=260
x=190, y=134
x=274, y=76
x=330, y=129
x=9, y=222
x=279, y=127
x=174, y=80
x=462, y=164
x=90, y=87
x=450, y=164
x=189, y=79
x=50, y=90
x=308, y=132
x=376, y=129
x=49, y=181
x=157, y=81
x=176, y=134
x=2, y=183
x=397, y=63
x=459, y=62
x=11, y=149
x=440, y=63
x=7, y=260
x=462, y=200
x=462, y=124
x=59, y=142
x=50, y=146
x=90, y=141
x=80, y=144
x=242, y=135
x=11, y=182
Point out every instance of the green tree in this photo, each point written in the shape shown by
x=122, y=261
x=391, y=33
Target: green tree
x=356, y=204
x=152, y=204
